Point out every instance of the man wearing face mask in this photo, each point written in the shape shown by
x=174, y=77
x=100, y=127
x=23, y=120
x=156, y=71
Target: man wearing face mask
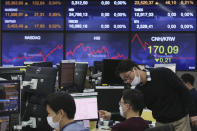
x=131, y=103
x=164, y=93
x=61, y=111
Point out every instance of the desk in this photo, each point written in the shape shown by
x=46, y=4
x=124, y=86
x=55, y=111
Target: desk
x=93, y=127
x=146, y=115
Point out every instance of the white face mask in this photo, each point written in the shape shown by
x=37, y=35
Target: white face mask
x=121, y=111
x=136, y=79
x=53, y=124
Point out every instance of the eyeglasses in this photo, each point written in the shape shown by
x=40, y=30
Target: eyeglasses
x=127, y=77
x=123, y=103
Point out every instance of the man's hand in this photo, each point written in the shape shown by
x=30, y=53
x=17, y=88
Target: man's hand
x=193, y=120
x=105, y=114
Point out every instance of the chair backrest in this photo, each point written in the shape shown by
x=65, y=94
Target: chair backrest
x=161, y=128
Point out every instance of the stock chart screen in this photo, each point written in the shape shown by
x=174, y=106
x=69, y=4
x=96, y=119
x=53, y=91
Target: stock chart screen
x=165, y=48
x=165, y=15
x=97, y=15
x=20, y=47
x=90, y=47
x=32, y=15
x=10, y=97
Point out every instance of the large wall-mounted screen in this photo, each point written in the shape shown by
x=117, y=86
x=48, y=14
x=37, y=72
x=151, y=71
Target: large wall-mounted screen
x=164, y=48
x=97, y=15
x=163, y=15
x=32, y=15
x=147, y=31
x=90, y=47
x=20, y=47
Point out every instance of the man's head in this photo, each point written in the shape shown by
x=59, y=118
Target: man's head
x=131, y=103
x=188, y=79
x=60, y=105
x=129, y=72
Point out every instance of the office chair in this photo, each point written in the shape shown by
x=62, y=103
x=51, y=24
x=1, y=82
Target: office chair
x=162, y=128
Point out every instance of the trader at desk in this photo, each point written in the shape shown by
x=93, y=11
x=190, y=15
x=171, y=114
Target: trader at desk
x=131, y=103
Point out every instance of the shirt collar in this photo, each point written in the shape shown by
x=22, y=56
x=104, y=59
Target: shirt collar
x=148, y=77
x=67, y=125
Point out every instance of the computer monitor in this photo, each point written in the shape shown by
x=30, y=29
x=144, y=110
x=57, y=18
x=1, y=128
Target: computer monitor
x=12, y=73
x=38, y=63
x=86, y=107
x=9, y=97
x=4, y=123
x=81, y=69
x=169, y=66
x=109, y=97
x=109, y=76
x=46, y=78
x=66, y=74
x=98, y=65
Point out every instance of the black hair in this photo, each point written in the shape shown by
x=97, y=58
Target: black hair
x=134, y=98
x=188, y=78
x=61, y=100
x=125, y=65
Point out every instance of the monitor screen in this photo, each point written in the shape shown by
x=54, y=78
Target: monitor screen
x=97, y=15
x=9, y=97
x=43, y=64
x=109, y=75
x=163, y=15
x=67, y=71
x=90, y=47
x=98, y=66
x=109, y=97
x=4, y=123
x=12, y=73
x=38, y=63
x=164, y=48
x=19, y=47
x=46, y=78
x=81, y=69
x=86, y=108
x=32, y=15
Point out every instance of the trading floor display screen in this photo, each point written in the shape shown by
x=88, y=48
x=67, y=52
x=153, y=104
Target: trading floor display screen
x=163, y=15
x=94, y=15
x=146, y=31
x=21, y=47
x=164, y=48
x=92, y=47
x=33, y=15
x=9, y=99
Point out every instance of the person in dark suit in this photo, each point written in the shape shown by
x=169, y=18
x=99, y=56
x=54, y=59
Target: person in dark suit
x=188, y=80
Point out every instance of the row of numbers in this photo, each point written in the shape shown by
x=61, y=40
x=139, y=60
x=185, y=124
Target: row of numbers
x=35, y=3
